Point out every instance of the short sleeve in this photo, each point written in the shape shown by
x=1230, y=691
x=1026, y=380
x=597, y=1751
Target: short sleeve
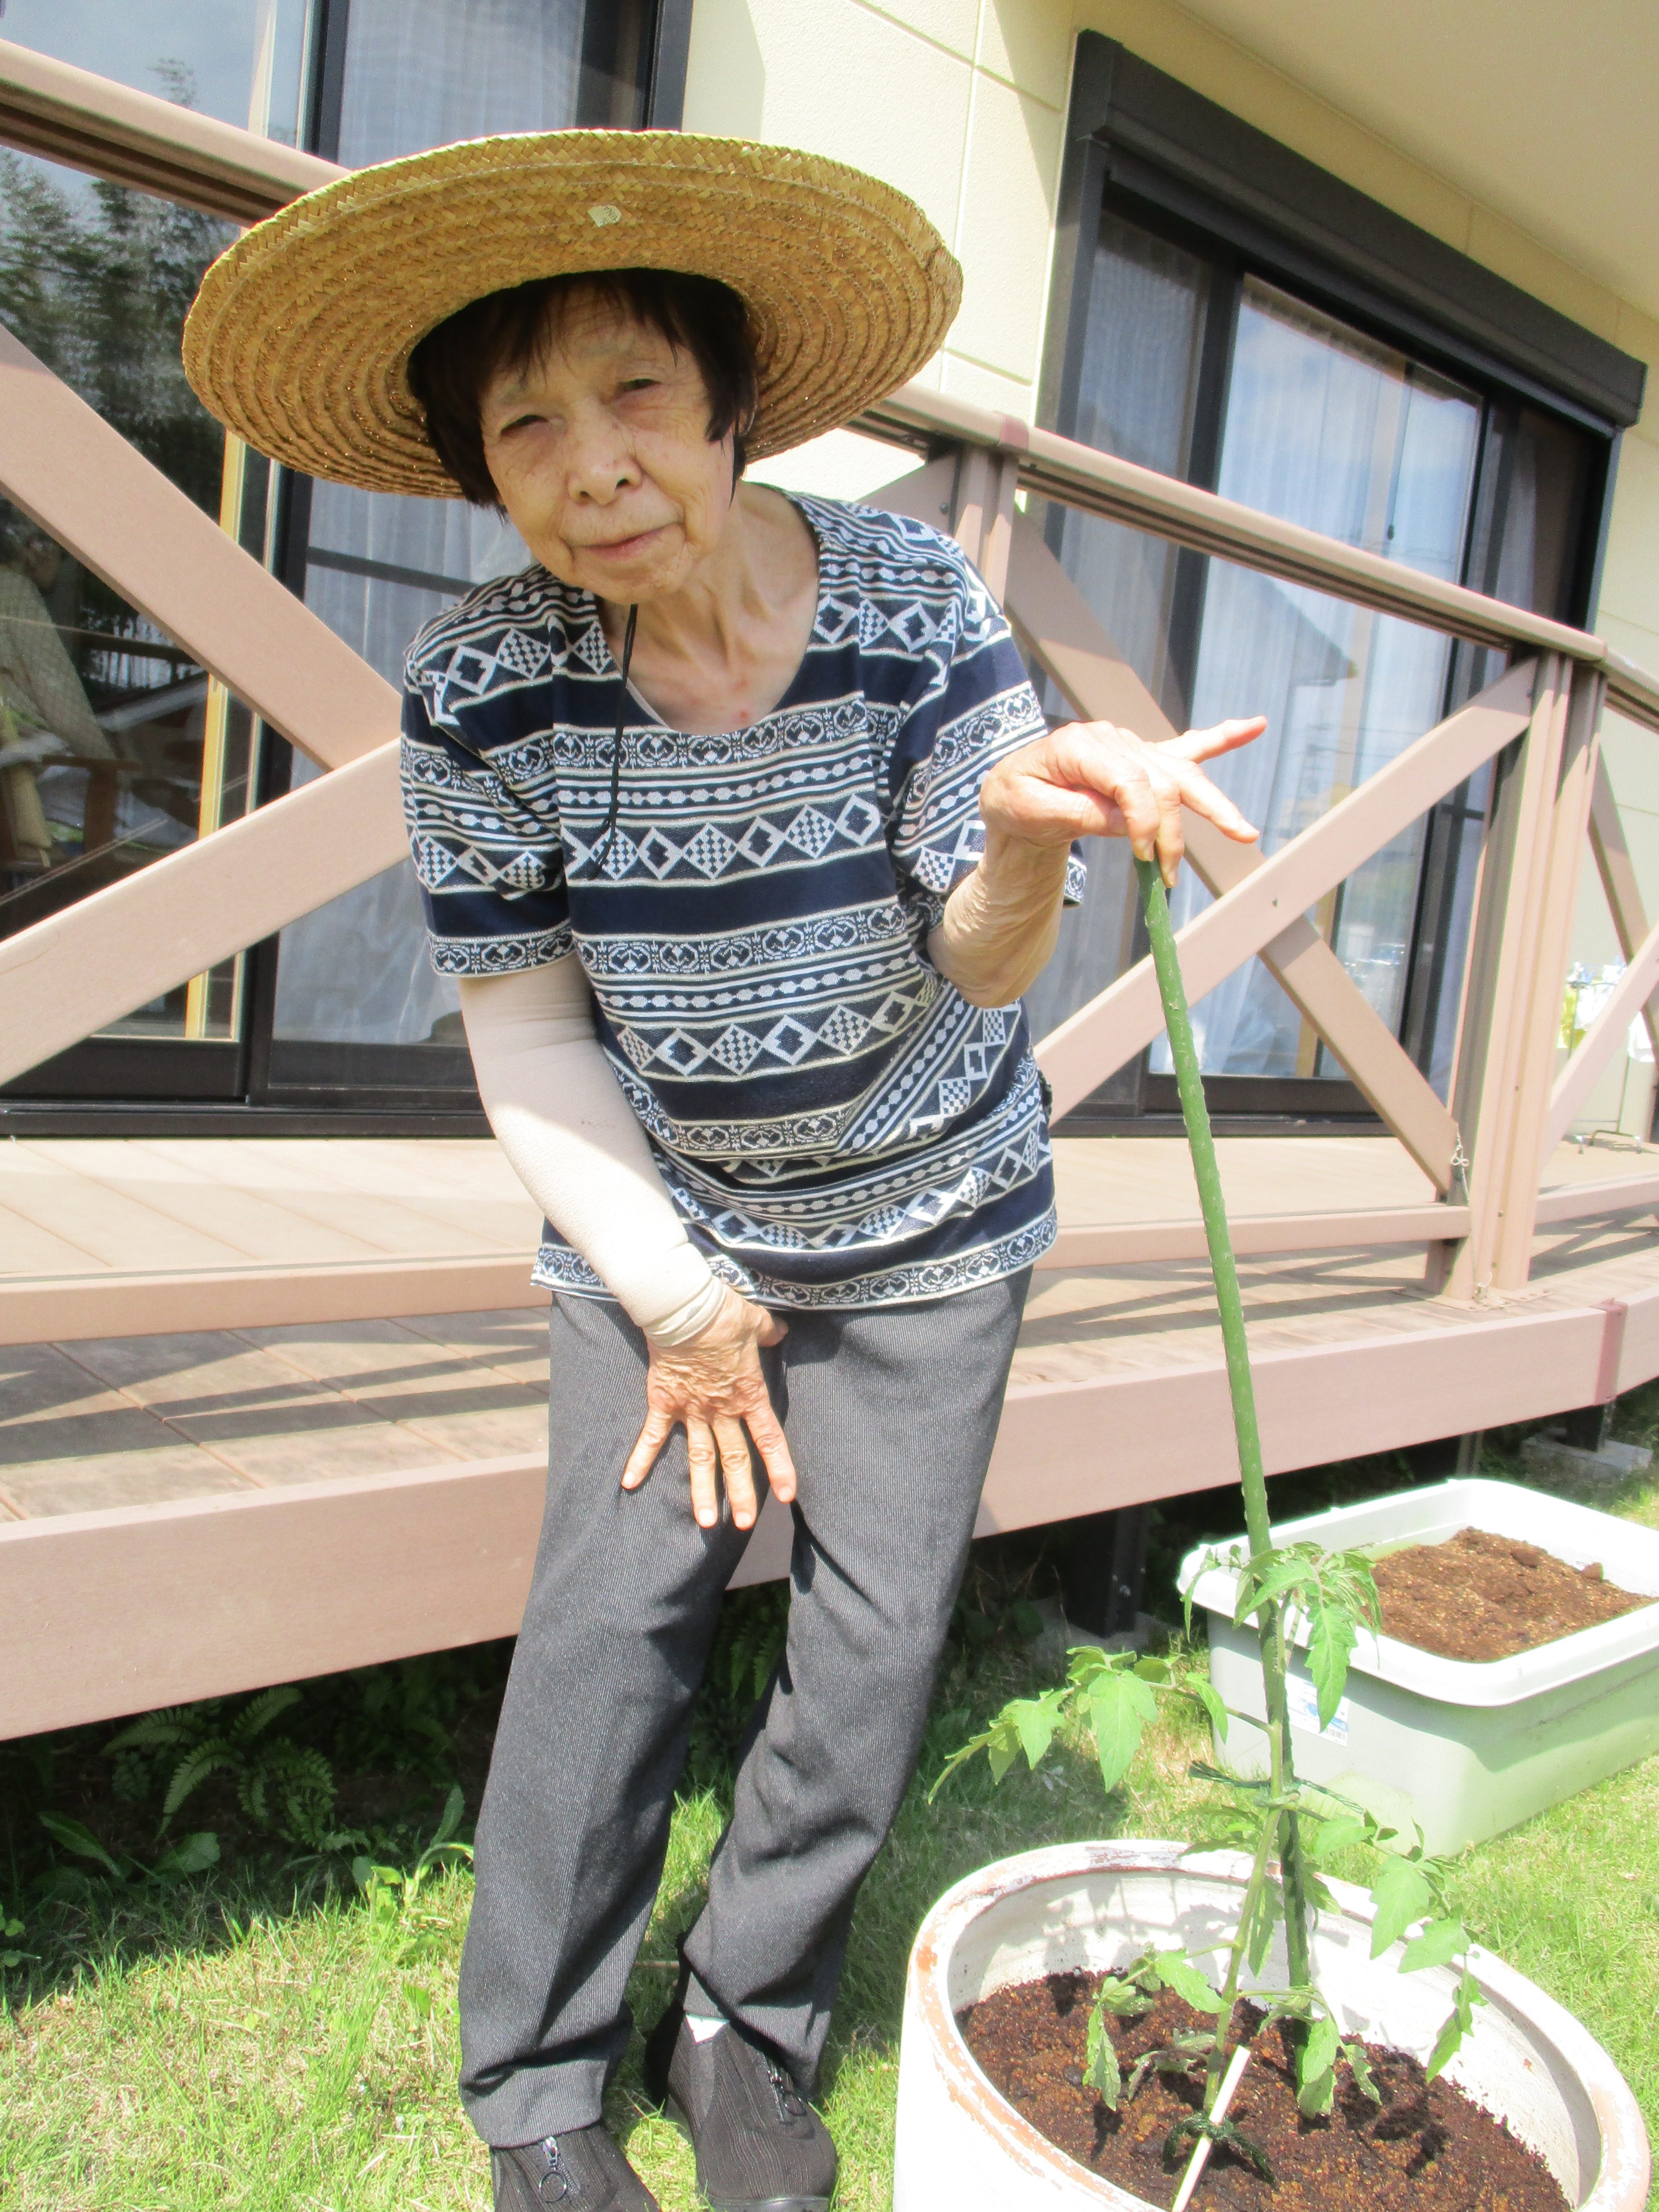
x=955, y=734
x=491, y=871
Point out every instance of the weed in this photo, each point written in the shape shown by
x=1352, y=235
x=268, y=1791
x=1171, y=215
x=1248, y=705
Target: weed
x=283, y=1786
x=407, y=1927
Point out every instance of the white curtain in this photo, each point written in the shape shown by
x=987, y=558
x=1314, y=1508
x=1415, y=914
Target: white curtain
x=1136, y=395
x=422, y=73
x=1327, y=429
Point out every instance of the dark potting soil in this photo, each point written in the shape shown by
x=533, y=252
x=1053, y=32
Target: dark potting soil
x=1481, y=1596
x=1424, y=2149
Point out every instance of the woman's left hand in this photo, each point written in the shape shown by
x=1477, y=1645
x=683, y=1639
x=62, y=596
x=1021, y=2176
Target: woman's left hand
x=1094, y=780
x=714, y=1387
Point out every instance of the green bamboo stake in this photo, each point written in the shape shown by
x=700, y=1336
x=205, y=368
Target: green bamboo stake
x=1177, y=1022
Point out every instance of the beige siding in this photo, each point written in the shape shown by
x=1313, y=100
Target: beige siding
x=962, y=103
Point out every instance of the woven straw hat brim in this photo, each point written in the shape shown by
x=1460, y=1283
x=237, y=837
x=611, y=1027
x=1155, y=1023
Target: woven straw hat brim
x=299, y=337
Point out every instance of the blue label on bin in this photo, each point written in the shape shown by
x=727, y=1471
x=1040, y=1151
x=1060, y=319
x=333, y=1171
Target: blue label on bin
x=1303, y=1700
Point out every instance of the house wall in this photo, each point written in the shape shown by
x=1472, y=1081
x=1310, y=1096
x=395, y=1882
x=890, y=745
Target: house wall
x=961, y=104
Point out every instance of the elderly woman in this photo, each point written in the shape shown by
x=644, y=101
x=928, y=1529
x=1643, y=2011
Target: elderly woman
x=742, y=830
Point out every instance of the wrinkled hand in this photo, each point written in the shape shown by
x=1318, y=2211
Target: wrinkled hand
x=1093, y=779
x=714, y=1386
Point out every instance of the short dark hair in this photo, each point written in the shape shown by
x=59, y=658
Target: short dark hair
x=511, y=330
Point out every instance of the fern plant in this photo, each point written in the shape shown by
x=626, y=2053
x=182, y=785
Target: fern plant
x=283, y=1787
x=1114, y=1695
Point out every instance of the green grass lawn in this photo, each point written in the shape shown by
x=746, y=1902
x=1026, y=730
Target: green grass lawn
x=254, y=2037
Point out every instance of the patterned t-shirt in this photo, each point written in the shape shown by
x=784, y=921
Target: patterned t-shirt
x=835, y=1123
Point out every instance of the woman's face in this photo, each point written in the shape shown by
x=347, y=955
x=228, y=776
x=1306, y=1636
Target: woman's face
x=602, y=457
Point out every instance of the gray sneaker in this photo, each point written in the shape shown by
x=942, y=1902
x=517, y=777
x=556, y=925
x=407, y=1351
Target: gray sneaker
x=581, y=2171
x=760, y=2146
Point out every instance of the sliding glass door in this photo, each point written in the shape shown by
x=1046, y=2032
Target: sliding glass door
x=1195, y=363
x=350, y=1005
x=116, y=747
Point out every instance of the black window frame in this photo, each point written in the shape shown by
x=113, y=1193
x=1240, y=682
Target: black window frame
x=1143, y=145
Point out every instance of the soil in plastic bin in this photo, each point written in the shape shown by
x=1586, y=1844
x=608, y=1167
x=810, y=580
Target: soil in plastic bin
x=1481, y=1596
x=1427, y=2149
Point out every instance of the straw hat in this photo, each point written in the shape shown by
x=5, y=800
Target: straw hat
x=299, y=337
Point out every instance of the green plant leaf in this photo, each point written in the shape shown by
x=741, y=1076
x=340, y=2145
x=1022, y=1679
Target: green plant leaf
x=1318, y=1892
x=1126, y=2000
x=1156, y=1671
x=454, y=1806
x=1178, y=1973
x=1457, y=2024
x=1334, y=1838
x=253, y=1794
x=1269, y=1912
x=1002, y=1746
x=1316, y=2066
x=1273, y=1575
x=1120, y=1706
x=76, y=1836
x=1036, y=1720
x=1200, y=2126
x=1235, y=2139
x=192, y=1770
x=1360, y=2066
x=191, y=1854
x=259, y=1713
x=303, y=1786
x=1354, y=1571
x=1100, y=2066
x=1166, y=2060
x=1441, y=1942
x=1401, y=1894
x=1331, y=1637
x=164, y=1731
x=961, y=1757
x=1198, y=1684
x=1453, y=2029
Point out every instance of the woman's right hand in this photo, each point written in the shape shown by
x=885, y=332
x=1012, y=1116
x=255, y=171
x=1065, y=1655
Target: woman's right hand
x=713, y=1387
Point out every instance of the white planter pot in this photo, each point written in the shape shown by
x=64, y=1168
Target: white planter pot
x=1466, y=1748
x=1098, y=1906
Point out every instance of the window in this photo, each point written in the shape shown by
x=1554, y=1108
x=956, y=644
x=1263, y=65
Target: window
x=1289, y=364
x=116, y=747
x=353, y=1001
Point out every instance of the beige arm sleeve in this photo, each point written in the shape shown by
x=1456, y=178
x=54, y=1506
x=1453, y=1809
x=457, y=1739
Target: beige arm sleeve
x=1001, y=922
x=574, y=1145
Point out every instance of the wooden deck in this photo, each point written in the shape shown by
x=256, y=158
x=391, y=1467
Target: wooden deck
x=187, y=1510
x=116, y=1236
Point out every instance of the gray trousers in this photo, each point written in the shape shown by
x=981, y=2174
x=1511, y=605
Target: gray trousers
x=891, y=1415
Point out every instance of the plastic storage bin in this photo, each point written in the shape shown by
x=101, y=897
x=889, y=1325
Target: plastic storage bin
x=1466, y=1748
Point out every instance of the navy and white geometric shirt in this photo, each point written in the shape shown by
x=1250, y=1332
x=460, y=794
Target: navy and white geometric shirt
x=836, y=1125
